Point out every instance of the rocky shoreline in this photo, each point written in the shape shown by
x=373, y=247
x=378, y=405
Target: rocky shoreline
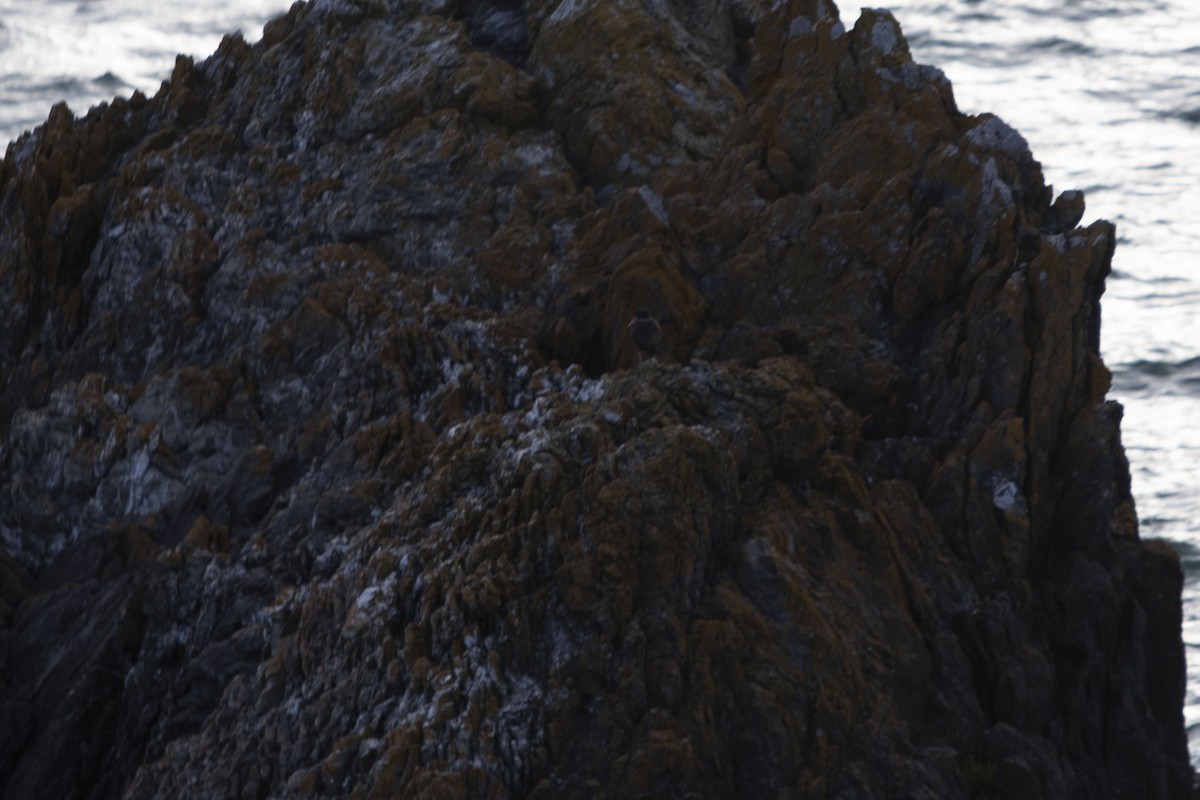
x=328, y=467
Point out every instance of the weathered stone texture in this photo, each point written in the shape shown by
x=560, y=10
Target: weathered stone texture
x=328, y=468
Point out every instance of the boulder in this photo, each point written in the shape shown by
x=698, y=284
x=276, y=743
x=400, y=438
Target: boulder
x=328, y=468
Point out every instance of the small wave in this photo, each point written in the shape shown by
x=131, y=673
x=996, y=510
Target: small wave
x=1147, y=378
x=1189, y=115
x=1088, y=12
x=1161, y=165
x=1124, y=275
x=1121, y=98
x=1169, y=299
x=979, y=16
x=1162, y=368
x=59, y=86
x=1095, y=188
x=1057, y=44
x=927, y=42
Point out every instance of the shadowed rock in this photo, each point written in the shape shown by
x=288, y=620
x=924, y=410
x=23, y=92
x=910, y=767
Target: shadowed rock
x=645, y=332
x=321, y=475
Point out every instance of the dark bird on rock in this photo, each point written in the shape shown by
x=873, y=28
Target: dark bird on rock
x=646, y=333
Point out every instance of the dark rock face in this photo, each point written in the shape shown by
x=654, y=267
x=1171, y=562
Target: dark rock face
x=327, y=467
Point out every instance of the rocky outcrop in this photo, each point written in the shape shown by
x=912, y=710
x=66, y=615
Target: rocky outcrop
x=327, y=467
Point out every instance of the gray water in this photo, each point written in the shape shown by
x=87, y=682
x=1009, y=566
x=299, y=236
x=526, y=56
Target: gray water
x=1107, y=92
x=88, y=51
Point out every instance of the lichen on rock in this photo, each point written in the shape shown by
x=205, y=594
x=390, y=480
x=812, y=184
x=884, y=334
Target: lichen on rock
x=328, y=467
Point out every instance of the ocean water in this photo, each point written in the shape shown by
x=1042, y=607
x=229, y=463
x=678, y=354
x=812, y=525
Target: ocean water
x=88, y=51
x=1107, y=92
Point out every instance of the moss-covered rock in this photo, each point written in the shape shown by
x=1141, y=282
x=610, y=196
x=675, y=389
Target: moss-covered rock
x=328, y=467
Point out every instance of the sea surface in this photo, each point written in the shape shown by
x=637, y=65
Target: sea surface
x=1107, y=92
x=88, y=51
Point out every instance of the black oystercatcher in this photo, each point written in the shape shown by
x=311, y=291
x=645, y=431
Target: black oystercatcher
x=646, y=333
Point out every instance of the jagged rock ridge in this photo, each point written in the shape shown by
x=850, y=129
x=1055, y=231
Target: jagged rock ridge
x=328, y=468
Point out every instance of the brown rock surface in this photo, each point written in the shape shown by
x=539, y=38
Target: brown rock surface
x=327, y=467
